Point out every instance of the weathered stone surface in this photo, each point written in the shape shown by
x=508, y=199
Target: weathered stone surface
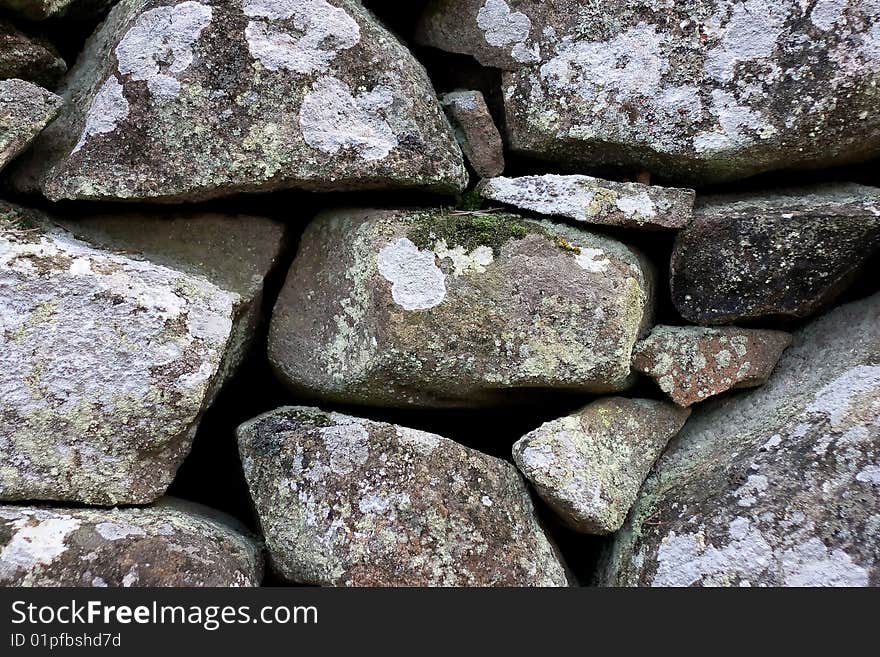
x=350, y=502
x=27, y=58
x=37, y=10
x=476, y=132
x=695, y=90
x=588, y=467
x=195, y=100
x=692, y=363
x=784, y=254
x=172, y=544
x=594, y=201
x=109, y=358
x=776, y=486
x=25, y=109
x=444, y=308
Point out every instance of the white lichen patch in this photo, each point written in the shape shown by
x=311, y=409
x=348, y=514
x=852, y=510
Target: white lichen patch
x=108, y=109
x=116, y=531
x=160, y=45
x=503, y=27
x=638, y=206
x=332, y=120
x=592, y=260
x=835, y=399
x=465, y=262
x=417, y=283
x=38, y=538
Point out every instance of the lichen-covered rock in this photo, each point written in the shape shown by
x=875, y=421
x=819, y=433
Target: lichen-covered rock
x=588, y=467
x=37, y=10
x=27, y=58
x=350, y=502
x=780, y=254
x=443, y=308
x=693, y=363
x=25, y=109
x=702, y=91
x=171, y=544
x=110, y=358
x=476, y=132
x=201, y=99
x=776, y=486
x=594, y=201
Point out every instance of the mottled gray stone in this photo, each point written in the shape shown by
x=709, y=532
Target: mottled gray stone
x=476, y=132
x=779, y=486
x=25, y=109
x=701, y=91
x=693, y=363
x=37, y=10
x=588, y=467
x=594, y=201
x=194, y=100
x=345, y=501
x=110, y=358
x=437, y=308
x=769, y=255
x=28, y=58
x=174, y=544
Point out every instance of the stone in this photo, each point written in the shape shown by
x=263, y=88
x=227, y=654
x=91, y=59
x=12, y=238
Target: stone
x=693, y=363
x=197, y=100
x=594, y=201
x=25, y=109
x=784, y=254
x=172, y=544
x=38, y=10
x=777, y=486
x=588, y=467
x=698, y=91
x=345, y=501
x=27, y=58
x=476, y=131
x=443, y=308
x=111, y=357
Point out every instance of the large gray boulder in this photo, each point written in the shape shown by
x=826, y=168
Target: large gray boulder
x=25, y=109
x=112, y=352
x=28, y=58
x=172, y=544
x=194, y=100
x=774, y=487
x=701, y=91
x=345, y=501
x=783, y=254
x=438, y=308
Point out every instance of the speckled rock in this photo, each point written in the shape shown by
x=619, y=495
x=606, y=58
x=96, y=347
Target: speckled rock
x=701, y=91
x=110, y=358
x=433, y=308
x=25, y=109
x=28, y=58
x=37, y=10
x=782, y=254
x=693, y=363
x=588, y=467
x=350, y=502
x=594, y=201
x=195, y=100
x=172, y=544
x=476, y=131
x=776, y=486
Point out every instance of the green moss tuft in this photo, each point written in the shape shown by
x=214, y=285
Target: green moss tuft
x=467, y=229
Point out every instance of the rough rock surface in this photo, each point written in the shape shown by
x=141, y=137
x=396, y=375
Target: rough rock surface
x=25, y=109
x=37, y=10
x=195, y=100
x=594, y=201
x=692, y=363
x=701, y=91
x=476, y=132
x=443, y=308
x=588, y=467
x=110, y=358
x=776, y=486
x=346, y=501
x=781, y=254
x=172, y=544
x=27, y=58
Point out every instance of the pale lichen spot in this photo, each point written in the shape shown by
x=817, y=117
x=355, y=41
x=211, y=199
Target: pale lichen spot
x=503, y=27
x=109, y=107
x=593, y=260
x=417, y=283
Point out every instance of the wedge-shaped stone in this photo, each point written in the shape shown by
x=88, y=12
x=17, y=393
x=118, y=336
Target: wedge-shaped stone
x=350, y=502
x=700, y=91
x=476, y=131
x=444, y=308
x=193, y=100
x=25, y=109
x=172, y=544
x=110, y=358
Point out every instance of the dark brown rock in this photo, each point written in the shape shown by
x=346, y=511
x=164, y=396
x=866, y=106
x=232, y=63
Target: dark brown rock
x=28, y=58
x=476, y=132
